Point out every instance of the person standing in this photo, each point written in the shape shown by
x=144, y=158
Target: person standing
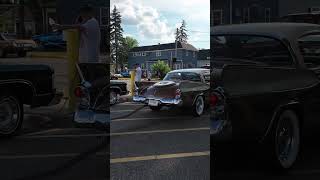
x=138, y=76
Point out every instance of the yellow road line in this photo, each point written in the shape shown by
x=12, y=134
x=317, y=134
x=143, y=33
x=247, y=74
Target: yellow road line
x=157, y=118
x=159, y=157
x=159, y=131
x=112, y=134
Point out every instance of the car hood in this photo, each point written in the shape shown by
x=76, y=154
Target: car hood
x=162, y=89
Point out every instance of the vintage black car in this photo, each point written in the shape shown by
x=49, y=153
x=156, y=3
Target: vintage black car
x=23, y=85
x=184, y=88
x=265, y=87
x=117, y=89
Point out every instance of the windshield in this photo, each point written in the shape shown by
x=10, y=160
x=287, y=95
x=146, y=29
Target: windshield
x=249, y=49
x=310, y=49
x=182, y=76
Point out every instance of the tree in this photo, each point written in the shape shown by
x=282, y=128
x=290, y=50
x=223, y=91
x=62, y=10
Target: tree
x=127, y=44
x=161, y=67
x=115, y=35
x=181, y=33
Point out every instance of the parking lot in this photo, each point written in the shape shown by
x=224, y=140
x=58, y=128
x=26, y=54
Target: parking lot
x=49, y=141
x=170, y=144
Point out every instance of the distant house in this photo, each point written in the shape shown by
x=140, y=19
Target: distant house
x=203, y=58
x=146, y=56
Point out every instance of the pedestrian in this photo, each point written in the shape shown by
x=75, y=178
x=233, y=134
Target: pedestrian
x=137, y=79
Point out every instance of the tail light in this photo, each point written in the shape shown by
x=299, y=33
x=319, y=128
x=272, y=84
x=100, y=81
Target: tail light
x=178, y=94
x=214, y=100
x=79, y=92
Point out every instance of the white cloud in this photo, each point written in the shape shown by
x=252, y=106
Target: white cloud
x=149, y=17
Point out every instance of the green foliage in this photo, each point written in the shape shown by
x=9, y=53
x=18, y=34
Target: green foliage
x=116, y=35
x=181, y=33
x=161, y=67
x=127, y=44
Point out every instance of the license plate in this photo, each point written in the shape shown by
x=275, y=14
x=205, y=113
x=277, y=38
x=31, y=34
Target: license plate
x=153, y=103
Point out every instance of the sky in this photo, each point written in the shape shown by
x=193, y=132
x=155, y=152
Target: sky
x=155, y=21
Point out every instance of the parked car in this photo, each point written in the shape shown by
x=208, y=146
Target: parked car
x=24, y=85
x=113, y=77
x=117, y=89
x=184, y=88
x=125, y=74
x=53, y=40
x=9, y=44
x=266, y=88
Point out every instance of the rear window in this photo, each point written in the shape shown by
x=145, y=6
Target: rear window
x=247, y=49
x=310, y=49
x=183, y=76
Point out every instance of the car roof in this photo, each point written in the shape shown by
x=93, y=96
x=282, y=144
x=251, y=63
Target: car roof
x=290, y=31
x=195, y=70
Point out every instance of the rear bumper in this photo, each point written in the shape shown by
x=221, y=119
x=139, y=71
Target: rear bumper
x=162, y=101
x=220, y=131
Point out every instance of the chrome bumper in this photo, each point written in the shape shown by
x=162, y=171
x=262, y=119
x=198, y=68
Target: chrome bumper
x=220, y=131
x=163, y=101
x=90, y=118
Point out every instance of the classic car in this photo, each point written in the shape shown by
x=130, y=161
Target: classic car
x=53, y=40
x=9, y=44
x=24, y=85
x=185, y=87
x=117, y=89
x=266, y=89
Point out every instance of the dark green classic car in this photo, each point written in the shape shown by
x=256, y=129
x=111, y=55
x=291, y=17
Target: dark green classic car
x=185, y=88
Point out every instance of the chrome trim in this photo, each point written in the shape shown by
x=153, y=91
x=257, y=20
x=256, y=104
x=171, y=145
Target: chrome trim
x=22, y=81
x=164, y=101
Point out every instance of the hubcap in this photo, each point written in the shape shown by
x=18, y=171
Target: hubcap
x=199, y=105
x=9, y=115
x=286, y=141
x=113, y=98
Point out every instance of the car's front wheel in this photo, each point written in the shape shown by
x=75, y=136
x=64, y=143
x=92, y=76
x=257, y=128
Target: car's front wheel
x=198, y=107
x=22, y=53
x=113, y=97
x=2, y=53
x=11, y=115
x=285, y=140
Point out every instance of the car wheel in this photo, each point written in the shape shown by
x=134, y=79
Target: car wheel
x=198, y=106
x=155, y=108
x=22, y=54
x=113, y=97
x=11, y=115
x=285, y=140
x=3, y=53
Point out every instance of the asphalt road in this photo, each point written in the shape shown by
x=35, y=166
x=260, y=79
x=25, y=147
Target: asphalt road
x=49, y=141
x=170, y=144
x=242, y=161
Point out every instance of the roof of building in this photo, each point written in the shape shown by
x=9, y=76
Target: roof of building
x=290, y=31
x=164, y=47
x=204, y=54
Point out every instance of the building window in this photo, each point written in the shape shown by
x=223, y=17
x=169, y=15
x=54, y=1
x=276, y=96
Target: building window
x=194, y=54
x=187, y=53
x=134, y=54
x=217, y=18
x=143, y=53
x=267, y=15
x=158, y=53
